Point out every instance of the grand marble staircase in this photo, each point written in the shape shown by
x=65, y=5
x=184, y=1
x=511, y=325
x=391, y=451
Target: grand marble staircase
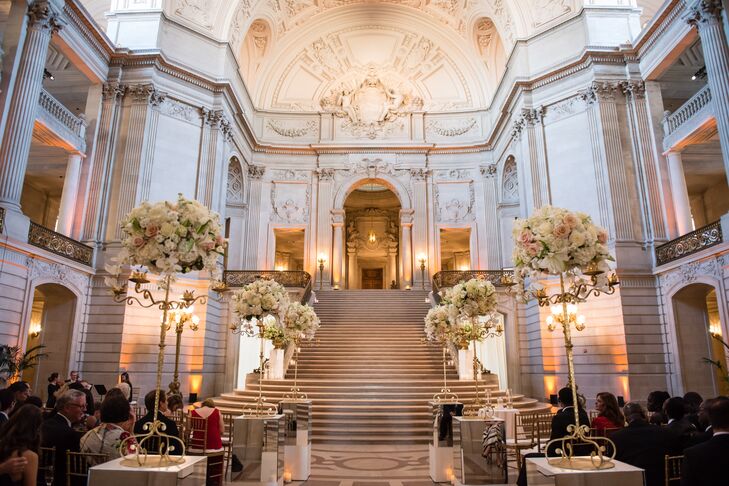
x=370, y=373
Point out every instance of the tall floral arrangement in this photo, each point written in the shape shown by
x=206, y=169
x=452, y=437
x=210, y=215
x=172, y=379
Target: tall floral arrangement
x=170, y=237
x=471, y=299
x=260, y=298
x=438, y=324
x=300, y=321
x=556, y=240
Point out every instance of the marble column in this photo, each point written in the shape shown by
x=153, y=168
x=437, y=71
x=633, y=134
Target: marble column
x=67, y=208
x=98, y=190
x=406, y=247
x=337, y=248
x=706, y=16
x=211, y=144
x=352, y=273
x=489, y=231
x=324, y=201
x=533, y=120
x=255, y=174
x=392, y=265
x=43, y=21
x=681, y=203
x=418, y=179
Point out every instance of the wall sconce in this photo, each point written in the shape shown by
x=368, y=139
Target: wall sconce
x=35, y=329
x=322, y=261
x=715, y=329
x=421, y=260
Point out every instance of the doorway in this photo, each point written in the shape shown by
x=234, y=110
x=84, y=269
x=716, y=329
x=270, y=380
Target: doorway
x=289, y=249
x=372, y=278
x=455, y=249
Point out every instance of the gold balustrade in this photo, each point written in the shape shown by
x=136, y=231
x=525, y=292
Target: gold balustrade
x=59, y=244
x=690, y=243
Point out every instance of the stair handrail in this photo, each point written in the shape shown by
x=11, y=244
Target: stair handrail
x=448, y=278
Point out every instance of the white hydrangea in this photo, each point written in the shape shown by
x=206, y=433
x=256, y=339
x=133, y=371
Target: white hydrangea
x=259, y=298
x=438, y=324
x=471, y=299
x=300, y=321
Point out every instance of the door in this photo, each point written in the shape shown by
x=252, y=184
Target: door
x=371, y=278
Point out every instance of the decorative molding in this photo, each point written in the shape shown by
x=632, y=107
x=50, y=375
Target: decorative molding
x=112, y=91
x=419, y=174
x=565, y=108
x=234, y=194
x=690, y=272
x=40, y=269
x=510, y=182
x=452, y=131
x=256, y=172
x=454, y=206
x=704, y=11
x=633, y=89
x=290, y=175
x=488, y=170
x=599, y=91
x=179, y=110
x=291, y=132
x=196, y=11
x=146, y=93
x=453, y=174
x=325, y=174
x=291, y=205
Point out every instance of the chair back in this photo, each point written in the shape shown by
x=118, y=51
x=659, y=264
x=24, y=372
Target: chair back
x=78, y=463
x=46, y=459
x=673, y=469
x=196, y=433
x=543, y=429
x=526, y=429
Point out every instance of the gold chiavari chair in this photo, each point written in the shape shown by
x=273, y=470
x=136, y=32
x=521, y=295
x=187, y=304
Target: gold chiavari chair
x=524, y=435
x=46, y=458
x=543, y=429
x=229, y=420
x=673, y=469
x=77, y=466
x=196, y=434
x=593, y=414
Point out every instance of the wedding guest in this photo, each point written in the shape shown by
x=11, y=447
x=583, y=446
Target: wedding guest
x=54, y=384
x=170, y=425
x=116, y=425
x=609, y=414
x=125, y=389
x=124, y=378
x=7, y=403
x=57, y=430
x=706, y=464
x=21, y=390
x=565, y=417
x=678, y=423
x=654, y=405
x=174, y=403
x=215, y=425
x=693, y=402
x=84, y=387
x=21, y=439
x=643, y=445
x=73, y=377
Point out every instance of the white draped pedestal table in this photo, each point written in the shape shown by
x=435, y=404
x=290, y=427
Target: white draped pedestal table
x=508, y=415
x=276, y=364
x=540, y=472
x=113, y=473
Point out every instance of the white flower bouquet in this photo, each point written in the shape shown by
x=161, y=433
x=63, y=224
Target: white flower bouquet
x=260, y=298
x=274, y=331
x=438, y=324
x=555, y=240
x=468, y=300
x=300, y=321
x=170, y=237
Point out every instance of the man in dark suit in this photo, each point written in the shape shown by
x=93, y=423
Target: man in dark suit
x=706, y=464
x=564, y=418
x=643, y=445
x=57, y=431
x=678, y=422
x=7, y=403
x=152, y=446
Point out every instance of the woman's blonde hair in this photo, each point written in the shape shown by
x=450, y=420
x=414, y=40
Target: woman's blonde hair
x=208, y=402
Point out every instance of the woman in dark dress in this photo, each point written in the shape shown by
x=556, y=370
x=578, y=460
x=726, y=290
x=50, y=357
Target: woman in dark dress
x=54, y=384
x=21, y=439
x=125, y=379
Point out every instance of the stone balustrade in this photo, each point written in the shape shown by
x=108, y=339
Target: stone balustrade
x=690, y=243
x=60, y=120
x=681, y=122
x=59, y=244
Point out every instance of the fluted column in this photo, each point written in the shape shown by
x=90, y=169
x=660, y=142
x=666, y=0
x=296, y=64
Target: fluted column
x=681, y=203
x=97, y=201
x=489, y=230
x=43, y=21
x=406, y=247
x=418, y=179
x=706, y=16
x=255, y=173
x=213, y=128
x=67, y=207
x=337, y=247
x=324, y=200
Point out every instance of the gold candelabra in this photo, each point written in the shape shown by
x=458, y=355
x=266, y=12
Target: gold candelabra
x=479, y=332
x=179, y=318
x=295, y=393
x=154, y=436
x=445, y=395
x=564, y=312
x=262, y=408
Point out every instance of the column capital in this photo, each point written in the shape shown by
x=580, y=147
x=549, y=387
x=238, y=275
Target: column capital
x=704, y=11
x=599, y=91
x=45, y=15
x=146, y=93
x=406, y=217
x=256, y=171
x=488, y=171
x=112, y=91
x=634, y=89
x=325, y=174
x=337, y=217
x=419, y=174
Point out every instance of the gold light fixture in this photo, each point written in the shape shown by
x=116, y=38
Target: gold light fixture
x=558, y=317
x=35, y=329
x=371, y=236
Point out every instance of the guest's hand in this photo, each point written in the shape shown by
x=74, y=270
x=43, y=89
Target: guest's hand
x=13, y=466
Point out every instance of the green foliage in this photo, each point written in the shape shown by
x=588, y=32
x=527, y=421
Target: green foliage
x=719, y=365
x=13, y=361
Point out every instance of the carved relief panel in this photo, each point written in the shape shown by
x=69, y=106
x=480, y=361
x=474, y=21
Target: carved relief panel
x=454, y=201
x=290, y=201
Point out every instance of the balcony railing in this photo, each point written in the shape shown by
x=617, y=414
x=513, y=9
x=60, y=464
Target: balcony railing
x=62, y=121
x=287, y=278
x=690, y=243
x=694, y=105
x=449, y=278
x=59, y=244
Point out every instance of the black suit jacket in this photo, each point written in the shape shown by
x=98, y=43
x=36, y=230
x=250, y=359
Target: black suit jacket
x=707, y=464
x=55, y=432
x=152, y=446
x=684, y=430
x=560, y=421
x=643, y=445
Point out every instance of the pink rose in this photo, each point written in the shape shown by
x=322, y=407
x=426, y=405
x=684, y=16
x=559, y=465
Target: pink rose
x=561, y=230
x=570, y=220
x=533, y=249
x=207, y=245
x=602, y=236
x=138, y=242
x=219, y=239
x=151, y=231
x=525, y=237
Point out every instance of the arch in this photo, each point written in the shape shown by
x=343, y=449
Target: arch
x=388, y=181
x=692, y=343
x=235, y=188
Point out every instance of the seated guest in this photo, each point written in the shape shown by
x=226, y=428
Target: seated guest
x=21, y=438
x=125, y=389
x=57, y=431
x=643, y=445
x=54, y=384
x=215, y=425
x=35, y=401
x=174, y=403
x=706, y=464
x=116, y=426
x=678, y=423
x=170, y=425
x=85, y=387
x=705, y=433
x=124, y=378
x=7, y=403
x=693, y=401
x=609, y=414
x=565, y=417
x=21, y=391
x=654, y=404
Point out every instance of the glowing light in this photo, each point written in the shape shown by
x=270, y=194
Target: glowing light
x=35, y=329
x=280, y=268
x=714, y=329
x=371, y=236
x=195, y=383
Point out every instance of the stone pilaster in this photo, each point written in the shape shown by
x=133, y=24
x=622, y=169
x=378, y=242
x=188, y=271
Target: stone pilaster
x=529, y=130
x=325, y=195
x=406, y=247
x=706, y=16
x=43, y=20
x=211, y=153
x=255, y=174
x=490, y=227
x=337, y=248
x=67, y=209
x=103, y=163
x=418, y=179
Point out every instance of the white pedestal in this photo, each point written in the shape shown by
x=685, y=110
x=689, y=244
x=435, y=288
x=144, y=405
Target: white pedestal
x=297, y=451
x=112, y=473
x=465, y=364
x=297, y=462
x=541, y=473
x=276, y=364
x=441, y=463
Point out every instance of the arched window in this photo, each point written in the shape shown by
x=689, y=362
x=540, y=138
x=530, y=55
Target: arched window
x=510, y=182
x=234, y=193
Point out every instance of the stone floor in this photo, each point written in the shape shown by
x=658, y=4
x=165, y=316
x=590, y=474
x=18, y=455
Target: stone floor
x=369, y=465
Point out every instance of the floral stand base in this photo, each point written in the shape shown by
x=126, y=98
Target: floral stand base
x=465, y=364
x=276, y=364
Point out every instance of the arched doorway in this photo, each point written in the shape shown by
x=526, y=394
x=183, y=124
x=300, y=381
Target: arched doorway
x=51, y=325
x=696, y=317
x=372, y=236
